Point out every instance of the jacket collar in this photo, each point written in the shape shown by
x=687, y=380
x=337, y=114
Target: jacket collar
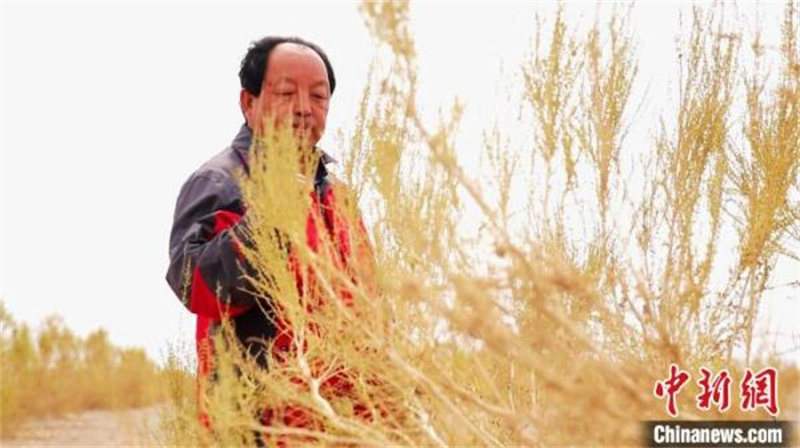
x=242, y=141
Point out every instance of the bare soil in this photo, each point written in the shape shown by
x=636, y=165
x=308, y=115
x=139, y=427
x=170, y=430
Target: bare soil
x=131, y=427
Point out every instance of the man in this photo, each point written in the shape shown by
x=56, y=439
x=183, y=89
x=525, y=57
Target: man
x=283, y=80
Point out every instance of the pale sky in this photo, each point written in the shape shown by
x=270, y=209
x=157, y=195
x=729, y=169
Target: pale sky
x=108, y=107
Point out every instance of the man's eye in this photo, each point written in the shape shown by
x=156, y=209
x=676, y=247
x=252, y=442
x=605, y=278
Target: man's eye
x=320, y=97
x=285, y=94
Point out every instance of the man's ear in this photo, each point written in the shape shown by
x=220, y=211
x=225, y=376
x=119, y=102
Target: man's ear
x=246, y=103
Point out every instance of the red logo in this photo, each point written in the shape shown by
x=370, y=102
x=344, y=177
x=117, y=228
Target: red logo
x=716, y=392
x=758, y=390
x=670, y=388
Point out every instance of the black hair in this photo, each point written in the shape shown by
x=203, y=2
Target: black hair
x=254, y=63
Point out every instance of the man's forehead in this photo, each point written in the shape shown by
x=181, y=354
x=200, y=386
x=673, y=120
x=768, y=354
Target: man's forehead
x=290, y=55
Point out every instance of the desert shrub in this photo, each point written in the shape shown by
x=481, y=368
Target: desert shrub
x=51, y=371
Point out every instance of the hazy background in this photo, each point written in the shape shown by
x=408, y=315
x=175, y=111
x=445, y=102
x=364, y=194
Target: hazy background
x=108, y=107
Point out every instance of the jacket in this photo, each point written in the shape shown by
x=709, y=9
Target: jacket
x=206, y=270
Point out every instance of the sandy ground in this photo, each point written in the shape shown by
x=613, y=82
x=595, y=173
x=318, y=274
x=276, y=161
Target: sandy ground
x=134, y=427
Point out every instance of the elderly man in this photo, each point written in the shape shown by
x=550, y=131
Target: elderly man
x=283, y=80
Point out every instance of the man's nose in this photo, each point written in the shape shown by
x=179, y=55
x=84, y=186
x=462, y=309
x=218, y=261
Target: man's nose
x=302, y=106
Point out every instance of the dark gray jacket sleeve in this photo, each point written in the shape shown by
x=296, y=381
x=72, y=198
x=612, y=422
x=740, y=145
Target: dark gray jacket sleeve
x=206, y=270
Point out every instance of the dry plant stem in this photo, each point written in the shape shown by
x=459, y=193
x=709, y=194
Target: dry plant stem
x=441, y=396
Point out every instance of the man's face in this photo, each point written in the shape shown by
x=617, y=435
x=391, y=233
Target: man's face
x=295, y=92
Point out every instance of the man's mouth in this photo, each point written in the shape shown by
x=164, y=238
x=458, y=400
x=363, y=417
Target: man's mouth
x=304, y=125
x=302, y=131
